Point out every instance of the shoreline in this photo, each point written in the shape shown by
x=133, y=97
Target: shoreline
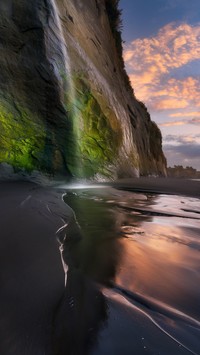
x=170, y=186
x=36, y=307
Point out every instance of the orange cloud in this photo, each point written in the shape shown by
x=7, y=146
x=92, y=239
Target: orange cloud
x=188, y=87
x=169, y=104
x=185, y=114
x=173, y=47
x=189, y=139
x=175, y=123
x=150, y=62
x=128, y=55
x=193, y=121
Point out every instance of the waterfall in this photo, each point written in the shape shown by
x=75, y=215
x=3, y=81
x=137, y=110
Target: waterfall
x=58, y=56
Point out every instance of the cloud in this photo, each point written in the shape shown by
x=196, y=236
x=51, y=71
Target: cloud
x=176, y=94
x=186, y=150
x=160, y=70
x=170, y=124
x=193, y=121
x=182, y=154
x=182, y=149
x=173, y=47
x=152, y=64
x=185, y=114
x=170, y=103
x=183, y=139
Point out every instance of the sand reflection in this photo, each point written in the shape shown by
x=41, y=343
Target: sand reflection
x=145, y=243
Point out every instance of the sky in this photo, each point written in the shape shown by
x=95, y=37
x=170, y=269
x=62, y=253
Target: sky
x=162, y=58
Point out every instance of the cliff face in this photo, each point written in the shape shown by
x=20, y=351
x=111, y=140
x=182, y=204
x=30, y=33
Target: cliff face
x=65, y=104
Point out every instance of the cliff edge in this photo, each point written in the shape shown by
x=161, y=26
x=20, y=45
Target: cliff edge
x=66, y=105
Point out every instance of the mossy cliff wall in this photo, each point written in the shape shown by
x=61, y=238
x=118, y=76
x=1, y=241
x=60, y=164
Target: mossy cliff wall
x=65, y=104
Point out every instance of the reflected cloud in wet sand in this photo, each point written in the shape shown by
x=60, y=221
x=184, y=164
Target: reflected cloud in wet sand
x=143, y=247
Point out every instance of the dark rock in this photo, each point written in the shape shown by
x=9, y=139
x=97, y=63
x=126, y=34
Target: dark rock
x=62, y=110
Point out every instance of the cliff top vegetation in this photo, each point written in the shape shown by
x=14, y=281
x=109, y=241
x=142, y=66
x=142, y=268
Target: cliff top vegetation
x=115, y=19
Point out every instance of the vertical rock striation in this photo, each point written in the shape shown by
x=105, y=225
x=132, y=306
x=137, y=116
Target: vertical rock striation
x=66, y=106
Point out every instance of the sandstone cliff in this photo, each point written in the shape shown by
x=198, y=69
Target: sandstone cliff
x=65, y=103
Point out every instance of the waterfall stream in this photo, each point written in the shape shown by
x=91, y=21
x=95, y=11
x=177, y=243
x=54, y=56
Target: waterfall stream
x=57, y=51
x=57, y=54
x=59, y=58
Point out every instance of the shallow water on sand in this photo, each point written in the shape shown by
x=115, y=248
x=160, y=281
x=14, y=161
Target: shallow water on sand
x=144, y=252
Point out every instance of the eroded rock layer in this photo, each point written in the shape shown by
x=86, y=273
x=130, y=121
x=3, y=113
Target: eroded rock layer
x=66, y=106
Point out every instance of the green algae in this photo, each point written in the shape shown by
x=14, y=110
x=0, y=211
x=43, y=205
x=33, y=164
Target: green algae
x=89, y=145
x=98, y=136
x=21, y=137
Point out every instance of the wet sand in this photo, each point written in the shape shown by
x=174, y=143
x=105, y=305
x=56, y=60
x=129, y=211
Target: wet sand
x=31, y=273
x=169, y=186
x=38, y=314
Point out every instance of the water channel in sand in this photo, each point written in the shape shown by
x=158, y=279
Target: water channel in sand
x=144, y=252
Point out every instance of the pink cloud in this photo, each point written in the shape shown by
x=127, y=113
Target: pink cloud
x=185, y=114
x=173, y=47
x=170, y=103
x=175, y=123
x=193, y=121
x=150, y=61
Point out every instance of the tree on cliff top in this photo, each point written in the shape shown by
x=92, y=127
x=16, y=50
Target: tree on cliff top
x=114, y=16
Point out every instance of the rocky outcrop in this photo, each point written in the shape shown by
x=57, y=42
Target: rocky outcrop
x=65, y=104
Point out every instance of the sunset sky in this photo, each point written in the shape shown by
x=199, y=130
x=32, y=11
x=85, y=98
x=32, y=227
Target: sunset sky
x=162, y=57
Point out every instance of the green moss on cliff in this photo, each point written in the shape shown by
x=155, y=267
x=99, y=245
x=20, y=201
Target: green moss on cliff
x=98, y=136
x=21, y=138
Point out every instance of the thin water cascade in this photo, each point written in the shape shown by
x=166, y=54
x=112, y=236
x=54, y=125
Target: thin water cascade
x=57, y=51
x=60, y=61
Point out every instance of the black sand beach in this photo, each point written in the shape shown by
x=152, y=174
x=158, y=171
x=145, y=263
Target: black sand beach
x=171, y=186
x=39, y=315
x=32, y=277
